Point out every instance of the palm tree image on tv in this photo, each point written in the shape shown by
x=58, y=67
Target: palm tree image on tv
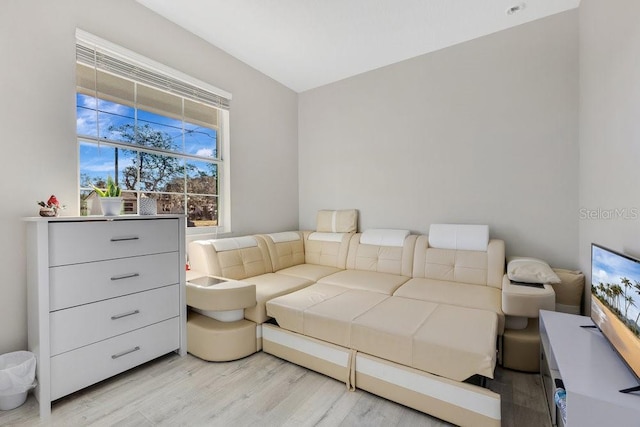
x=615, y=282
x=615, y=301
x=620, y=299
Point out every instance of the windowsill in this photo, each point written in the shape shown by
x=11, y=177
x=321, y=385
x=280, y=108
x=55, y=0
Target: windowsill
x=203, y=233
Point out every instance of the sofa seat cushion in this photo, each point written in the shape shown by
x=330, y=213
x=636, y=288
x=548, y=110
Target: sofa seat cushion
x=452, y=342
x=331, y=319
x=387, y=330
x=288, y=310
x=456, y=294
x=269, y=286
x=457, y=343
x=313, y=272
x=373, y=281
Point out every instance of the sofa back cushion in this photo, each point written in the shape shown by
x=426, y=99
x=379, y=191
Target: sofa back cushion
x=342, y=221
x=468, y=237
x=234, y=258
x=474, y=267
x=286, y=249
x=325, y=248
x=383, y=251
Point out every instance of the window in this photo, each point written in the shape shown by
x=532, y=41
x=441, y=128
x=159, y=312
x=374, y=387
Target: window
x=154, y=131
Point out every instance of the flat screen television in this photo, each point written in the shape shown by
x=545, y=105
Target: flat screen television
x=615, y=303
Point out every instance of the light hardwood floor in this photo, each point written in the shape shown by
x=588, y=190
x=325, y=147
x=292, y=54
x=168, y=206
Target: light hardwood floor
x=260, y=390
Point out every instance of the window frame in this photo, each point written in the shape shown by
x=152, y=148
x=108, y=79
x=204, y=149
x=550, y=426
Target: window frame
x=87, y=40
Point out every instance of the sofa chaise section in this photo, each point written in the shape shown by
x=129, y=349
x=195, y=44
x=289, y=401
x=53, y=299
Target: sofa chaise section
x=361, y=324
x=445, y=340
x=413, y=352
x=245, y=259
x=360, y=308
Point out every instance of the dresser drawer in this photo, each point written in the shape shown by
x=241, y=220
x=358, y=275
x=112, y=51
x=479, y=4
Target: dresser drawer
x=86, y=324
x=77, y=242
x=76, y=284
x=80, y=368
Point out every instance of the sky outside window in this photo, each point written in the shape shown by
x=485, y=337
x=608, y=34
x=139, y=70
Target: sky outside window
x=116, y=122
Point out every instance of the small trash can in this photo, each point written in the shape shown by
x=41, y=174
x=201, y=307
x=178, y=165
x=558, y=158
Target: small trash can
x=17, y=377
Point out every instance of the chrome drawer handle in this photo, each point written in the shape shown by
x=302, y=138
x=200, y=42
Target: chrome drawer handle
x=120, y=316
x=124, y=239
x=124, y=353
x=125, y=276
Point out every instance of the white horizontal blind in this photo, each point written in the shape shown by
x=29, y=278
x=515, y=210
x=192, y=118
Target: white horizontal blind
x=101, y=59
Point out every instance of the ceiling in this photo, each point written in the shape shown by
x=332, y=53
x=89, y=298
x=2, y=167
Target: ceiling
x=304, y=44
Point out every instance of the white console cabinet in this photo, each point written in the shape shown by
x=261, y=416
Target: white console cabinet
x=103, y=295
x=592, y=373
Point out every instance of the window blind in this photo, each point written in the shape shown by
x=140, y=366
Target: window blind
x=108, y=62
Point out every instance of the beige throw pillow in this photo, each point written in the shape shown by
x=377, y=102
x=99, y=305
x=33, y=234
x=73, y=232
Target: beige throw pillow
x=343, y=221
x=530, y=270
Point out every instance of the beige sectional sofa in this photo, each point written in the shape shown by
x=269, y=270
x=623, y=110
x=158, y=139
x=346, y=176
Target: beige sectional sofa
x=382, y=310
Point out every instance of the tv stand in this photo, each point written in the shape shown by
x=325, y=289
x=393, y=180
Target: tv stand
x=591, y=370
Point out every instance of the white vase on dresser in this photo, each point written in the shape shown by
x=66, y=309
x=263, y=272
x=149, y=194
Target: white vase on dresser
x=103, y=295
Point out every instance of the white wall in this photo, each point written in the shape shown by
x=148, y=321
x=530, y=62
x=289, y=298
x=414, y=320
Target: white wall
x=37, y=118
x=481, y=132
x=609, y=126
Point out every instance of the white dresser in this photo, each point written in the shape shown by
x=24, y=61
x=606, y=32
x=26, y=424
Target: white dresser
x=104, y=295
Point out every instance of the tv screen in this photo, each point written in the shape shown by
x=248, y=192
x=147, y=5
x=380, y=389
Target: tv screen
x=615, y=301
